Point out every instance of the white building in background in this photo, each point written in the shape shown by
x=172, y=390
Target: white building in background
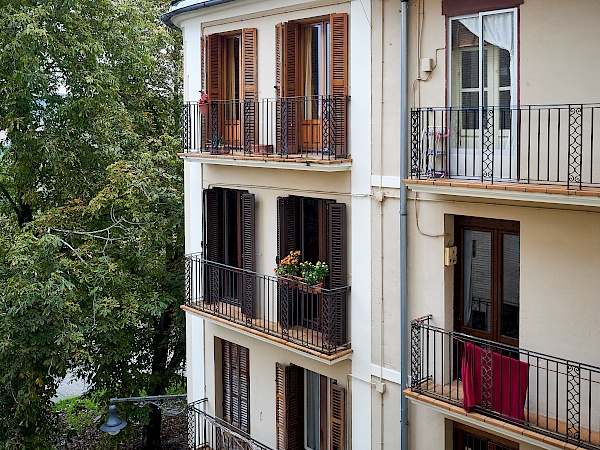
x=300, y=148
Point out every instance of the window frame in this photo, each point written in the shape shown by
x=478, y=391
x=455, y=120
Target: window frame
x=498, y=228
x=453, y=70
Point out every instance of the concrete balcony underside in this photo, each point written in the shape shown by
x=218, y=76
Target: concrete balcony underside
x=510, y=430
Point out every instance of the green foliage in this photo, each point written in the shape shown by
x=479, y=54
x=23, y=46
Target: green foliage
x=81, y=412
x=313, y=273
x=91, y=215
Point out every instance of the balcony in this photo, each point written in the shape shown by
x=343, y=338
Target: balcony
x=307, y=130
x=538, y=149
x=209, y=432
x=545, y=398
x=310, y=319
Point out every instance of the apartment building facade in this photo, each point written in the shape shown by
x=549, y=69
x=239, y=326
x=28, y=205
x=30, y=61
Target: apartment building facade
x=503, y=220
x=300, y=148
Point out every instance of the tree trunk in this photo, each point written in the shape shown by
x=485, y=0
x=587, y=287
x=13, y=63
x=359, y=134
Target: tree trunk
x=151, y=432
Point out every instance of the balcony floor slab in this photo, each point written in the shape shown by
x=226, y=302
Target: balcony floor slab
x=297, y=334
x=307, y=162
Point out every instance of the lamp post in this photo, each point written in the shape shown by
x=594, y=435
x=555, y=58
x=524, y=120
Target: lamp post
x=171, y=405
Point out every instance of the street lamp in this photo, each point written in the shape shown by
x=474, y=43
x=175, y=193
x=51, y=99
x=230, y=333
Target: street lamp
x=171, y=405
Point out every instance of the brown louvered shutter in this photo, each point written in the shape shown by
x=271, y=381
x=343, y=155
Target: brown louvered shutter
x=295, y=407
x=214, y=61
x=289, y=396
x=249, y=63
x=280, y=407
x=244, y=378
x=278, y=83
x=288, y=116
x=339, y=79
x=212, y=242
x=227, y=394
x=336, y=254
x=250, y=87
x=247, y=231
x=236, y=385
x=336, y=259
x=288, y=238
x=337, y=417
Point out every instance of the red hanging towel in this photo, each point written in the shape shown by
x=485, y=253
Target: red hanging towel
x=509, y=379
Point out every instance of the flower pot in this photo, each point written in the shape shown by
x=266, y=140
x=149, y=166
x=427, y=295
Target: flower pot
x=299, y=284
x=203, y=108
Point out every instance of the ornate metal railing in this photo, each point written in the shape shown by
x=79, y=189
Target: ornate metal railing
x=293, y=127
x=208, y=432
x=549, y=395
x=551, y=144
x=309, y=316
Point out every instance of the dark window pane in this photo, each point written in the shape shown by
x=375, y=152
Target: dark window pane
x=470, y=69
x=504, y=68
x=470, y=113
x=477, y=269
x=511, y=273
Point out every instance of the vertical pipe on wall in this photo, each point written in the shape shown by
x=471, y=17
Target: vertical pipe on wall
x=404, y=126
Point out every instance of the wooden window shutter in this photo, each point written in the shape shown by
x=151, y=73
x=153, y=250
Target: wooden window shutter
x=249, y=63
x=290, y=59
x=214, y=61
x=212, y=242
x=236, y=385
x=337, y=417
x=286, y=86
x=336, y=254
x=339, y=79
x=244, y=378
x=227, y=394
x=289, y=407
x=280, y=407
x=336, y=259
x=248, y=264
x=287, y=225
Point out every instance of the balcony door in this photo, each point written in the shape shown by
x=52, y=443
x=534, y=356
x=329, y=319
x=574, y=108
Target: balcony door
x=228, y=247
x=315, y=64
x=316, y=227
x=487, y=282
x=467, y=438
x=312, y=85
x=482, y=72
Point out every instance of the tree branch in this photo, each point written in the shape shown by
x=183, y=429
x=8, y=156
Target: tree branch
x=10, y=199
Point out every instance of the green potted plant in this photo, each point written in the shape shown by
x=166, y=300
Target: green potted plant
x=304, y=275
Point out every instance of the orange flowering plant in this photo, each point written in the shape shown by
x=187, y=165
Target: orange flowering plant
x=309, y=272
x=289, y=265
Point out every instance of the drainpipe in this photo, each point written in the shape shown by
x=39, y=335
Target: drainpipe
x=404, y=327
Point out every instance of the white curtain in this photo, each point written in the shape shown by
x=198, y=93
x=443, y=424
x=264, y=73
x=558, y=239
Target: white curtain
x=497, y=30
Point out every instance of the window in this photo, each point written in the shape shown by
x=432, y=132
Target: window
x=467, y=438
x=487, y=281
x=236, y=385
x=310, y=410
x=229, y=241
x=312, y=83
x=482, y=70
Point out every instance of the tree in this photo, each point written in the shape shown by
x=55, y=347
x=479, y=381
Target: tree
x=91, y=216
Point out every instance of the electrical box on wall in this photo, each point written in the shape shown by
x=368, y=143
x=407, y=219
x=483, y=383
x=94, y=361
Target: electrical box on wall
x=450, y=256
x=427, y=65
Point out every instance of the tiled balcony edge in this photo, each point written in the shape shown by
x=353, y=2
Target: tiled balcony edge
x=522, y=192
x=271, y=162
x=494, y=425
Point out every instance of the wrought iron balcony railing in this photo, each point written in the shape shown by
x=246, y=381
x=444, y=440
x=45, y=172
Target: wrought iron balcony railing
x=545, y=394
x=296, y=127
x=311, y=317
x=209, y=432
x=551, y=144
